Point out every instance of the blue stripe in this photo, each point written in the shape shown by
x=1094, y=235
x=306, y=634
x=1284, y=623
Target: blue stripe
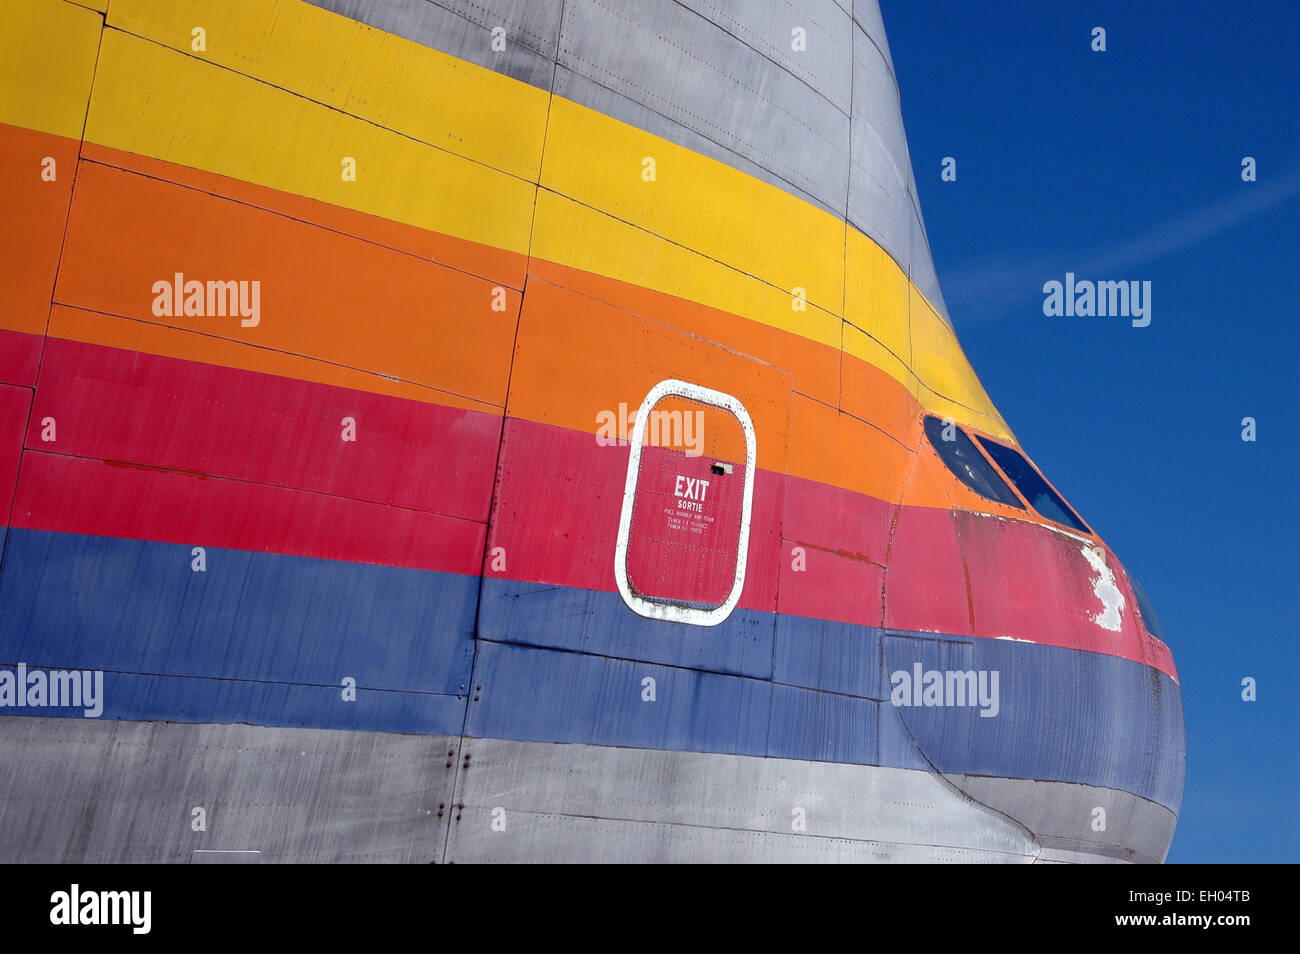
x=540, y=614
x=267, y=639
x=1064, y=715
x=85, y=602
x=149, y=698
x=822, y=654
x=546, y=695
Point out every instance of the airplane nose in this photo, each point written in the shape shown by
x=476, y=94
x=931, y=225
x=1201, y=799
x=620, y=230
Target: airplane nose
x=1088, y=703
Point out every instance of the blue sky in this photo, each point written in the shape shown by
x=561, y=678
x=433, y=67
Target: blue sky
x=1126, y=165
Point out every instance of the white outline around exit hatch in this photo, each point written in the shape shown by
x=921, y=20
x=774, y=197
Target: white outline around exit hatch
x=659, y=609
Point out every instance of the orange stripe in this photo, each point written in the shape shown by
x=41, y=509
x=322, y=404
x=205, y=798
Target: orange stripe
x=578, y=359
x=76, y=324
x=494, y=264
x=349, y=312
x=323, y=295
x=34, y=214
x=816, y=368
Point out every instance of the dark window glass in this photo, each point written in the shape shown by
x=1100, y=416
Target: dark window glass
x=1147, y=612
x=1031, y=483
x=964, y=459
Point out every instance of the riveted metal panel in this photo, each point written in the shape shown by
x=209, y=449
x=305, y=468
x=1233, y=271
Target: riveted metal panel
x=656, y=58
x=1066, y=820
x=824, y=60
x=464, y=30
x=525, y=801
x=880, y=168
x=866, y=13
x=93, y=792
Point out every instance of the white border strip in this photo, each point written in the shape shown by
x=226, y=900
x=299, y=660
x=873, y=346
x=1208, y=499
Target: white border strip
x=660, y=609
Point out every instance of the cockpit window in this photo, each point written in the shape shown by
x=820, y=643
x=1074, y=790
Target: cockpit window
x=1146, y=611
x=964, y=459
x=1031, y=483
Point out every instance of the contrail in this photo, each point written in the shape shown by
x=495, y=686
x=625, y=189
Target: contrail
x=980, y=292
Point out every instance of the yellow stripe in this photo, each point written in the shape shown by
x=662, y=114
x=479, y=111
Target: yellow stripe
x=949, y=385
x=695, y=201
x=156, y=102
x=866, y=348
x=701, y=230
x=47, y=60
x=875, y=295
x=365, y=72
x=584, y=238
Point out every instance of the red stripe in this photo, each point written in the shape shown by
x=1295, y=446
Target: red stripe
x=20, y=356
x=926, y=586
x=14, y=403
x=832, y=518
x=140, y=408
x=75, y=495
x=823, y=584
x=559, y=503
x=558, y=513
x=1025, y=579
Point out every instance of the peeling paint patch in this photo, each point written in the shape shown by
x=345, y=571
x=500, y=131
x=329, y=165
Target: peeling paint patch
x=1112, y=600
x=1014, y=639
x=991, y=516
